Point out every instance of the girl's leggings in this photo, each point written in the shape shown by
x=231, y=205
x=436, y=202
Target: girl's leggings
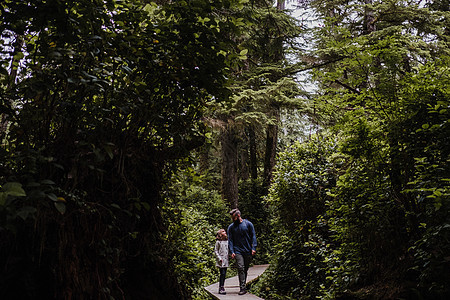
x=223, y=274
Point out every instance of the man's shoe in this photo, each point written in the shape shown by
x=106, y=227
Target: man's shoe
x=242, y=292
x=222, y=291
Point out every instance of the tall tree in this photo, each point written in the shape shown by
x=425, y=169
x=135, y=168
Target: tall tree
x=261, y=84
x=230, y=165
x=256, y=112
x=272, y=129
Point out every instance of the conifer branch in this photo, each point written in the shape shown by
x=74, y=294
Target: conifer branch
x=313, y=66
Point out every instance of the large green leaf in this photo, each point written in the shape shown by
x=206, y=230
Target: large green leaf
x=13, y=189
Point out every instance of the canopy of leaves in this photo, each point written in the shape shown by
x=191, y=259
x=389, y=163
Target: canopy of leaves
x=96, y=98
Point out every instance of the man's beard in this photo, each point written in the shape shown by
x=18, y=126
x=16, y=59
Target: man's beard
x=237, y=222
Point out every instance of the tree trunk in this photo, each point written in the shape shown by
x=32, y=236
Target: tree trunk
x=281, y=4
x=369, y=18
x=271, y=150
x=204, y=159
x=244, y=172
x=272, y=130
x=229, y=166
x=253, y=159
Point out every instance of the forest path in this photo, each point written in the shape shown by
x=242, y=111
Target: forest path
x=232, y=285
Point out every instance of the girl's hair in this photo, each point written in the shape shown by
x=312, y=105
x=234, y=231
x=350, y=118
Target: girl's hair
x=221, y=235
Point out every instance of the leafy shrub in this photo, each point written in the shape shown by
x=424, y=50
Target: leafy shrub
x=297, y=199
x=430, y=186
x=193, y=215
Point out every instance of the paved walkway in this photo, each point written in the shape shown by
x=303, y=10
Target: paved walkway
x=232, y=285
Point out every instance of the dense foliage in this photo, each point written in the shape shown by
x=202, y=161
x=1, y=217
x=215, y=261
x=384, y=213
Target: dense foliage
x=96, y=98
x=129, y=128
x=371, y=220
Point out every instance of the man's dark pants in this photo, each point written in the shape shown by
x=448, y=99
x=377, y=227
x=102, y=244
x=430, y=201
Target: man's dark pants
x=243, y=262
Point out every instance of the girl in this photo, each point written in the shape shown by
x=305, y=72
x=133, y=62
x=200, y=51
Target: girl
x=221, y=252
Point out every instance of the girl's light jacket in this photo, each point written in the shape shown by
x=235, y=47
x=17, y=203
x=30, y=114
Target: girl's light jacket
x=221, y=252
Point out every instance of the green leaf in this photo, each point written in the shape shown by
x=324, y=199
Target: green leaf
x=19, y=55
x=61, y=207
x=14, y=189
x=243, y=52
x=108, y=151
x=150, y=8
x=115, y=206
x=52, y=197
x=438, y=193
x=36, y=194
x=47, y=181
x=26, y=211
x=146, y=206
x=221, y=52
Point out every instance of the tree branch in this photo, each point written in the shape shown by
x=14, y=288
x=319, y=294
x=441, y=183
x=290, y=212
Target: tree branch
x=347, y=87
x=313, y=66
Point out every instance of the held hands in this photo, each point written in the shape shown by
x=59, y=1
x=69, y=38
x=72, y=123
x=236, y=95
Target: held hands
x=234, y=255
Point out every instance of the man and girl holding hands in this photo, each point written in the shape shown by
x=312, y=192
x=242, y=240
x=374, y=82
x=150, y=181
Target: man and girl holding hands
x=240, y=241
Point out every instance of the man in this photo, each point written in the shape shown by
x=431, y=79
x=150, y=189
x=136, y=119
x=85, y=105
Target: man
x=242, y=245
